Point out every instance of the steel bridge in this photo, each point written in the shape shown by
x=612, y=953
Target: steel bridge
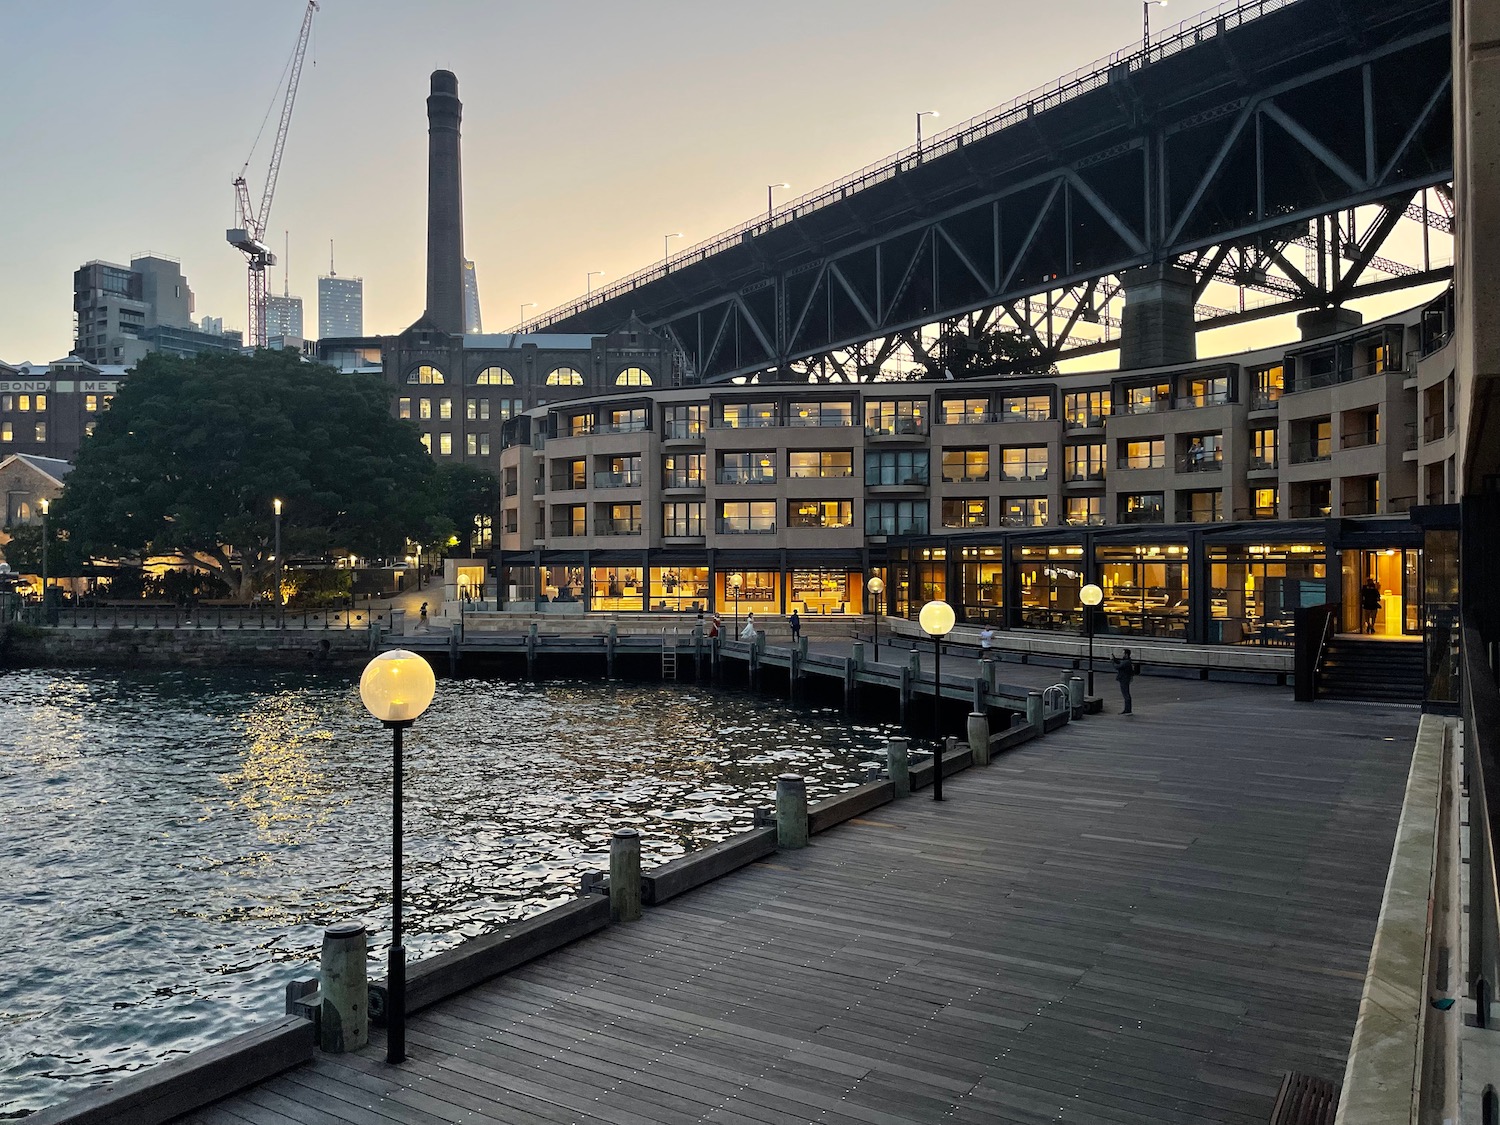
x=1273, y=146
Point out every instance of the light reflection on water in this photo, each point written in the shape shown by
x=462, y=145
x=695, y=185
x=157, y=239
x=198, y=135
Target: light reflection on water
x=173, y=844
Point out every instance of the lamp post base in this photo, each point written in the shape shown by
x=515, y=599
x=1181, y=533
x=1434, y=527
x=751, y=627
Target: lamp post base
x=395, y=1006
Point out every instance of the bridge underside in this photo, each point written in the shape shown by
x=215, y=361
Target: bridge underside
x=1279, y=158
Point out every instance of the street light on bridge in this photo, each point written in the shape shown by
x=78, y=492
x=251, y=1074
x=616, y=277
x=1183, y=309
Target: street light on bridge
x=771, y=199
x=921, y=114
x=589, y=281
x=1146, y=18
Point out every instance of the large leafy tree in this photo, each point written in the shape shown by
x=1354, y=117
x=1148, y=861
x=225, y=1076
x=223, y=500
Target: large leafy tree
x=994, y=351
x=465, y=493
x=192, y=453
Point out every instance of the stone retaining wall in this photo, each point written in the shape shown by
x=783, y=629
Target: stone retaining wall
x=187, y=647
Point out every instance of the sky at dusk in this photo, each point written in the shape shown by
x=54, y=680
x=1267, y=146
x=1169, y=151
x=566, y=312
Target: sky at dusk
x=591, y=129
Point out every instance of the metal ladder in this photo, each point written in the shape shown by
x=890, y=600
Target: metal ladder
x=668, y=657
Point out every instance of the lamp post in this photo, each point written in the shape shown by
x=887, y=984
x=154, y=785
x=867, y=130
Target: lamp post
x=524, y=306
x=666, y=246
x=1090, y=596
x=735, y=582
x=1146, y=18
x=770, y=199
x=46, y=507
x=937, y=620
x=396, y=688
x=921, y=114
x=280, y=608
x=877, y=587
x=589, y=281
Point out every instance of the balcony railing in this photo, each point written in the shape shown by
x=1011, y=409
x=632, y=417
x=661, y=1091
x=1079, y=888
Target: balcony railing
x=630, y=526
x=797, y=519
x=1361, y=438
x=1313, y=380
x=896, y=427
x=1310, y=511
x=1085, y=419
x=754, y=423
x=682, y=479
x=1093, y=519
x=895, y=527
x=1363, y=506
x=976, y=418
x=1147, y=406
x=1265, y=400
x=1260, y=462
x=747, y=476
x=897, y=480
x=1433, y=428
x=1203, y=461
x=511, y=488
x=1308, y=452
x=569, y=484
x=1262, y=512
x=1076, y=476
x=1215, y=398
x=1023, y=415
x=618, y=478
x=1028, y=474
x=1142, y=461
x=820, y=422
x=683, y=529
x=970, y=478
x=1199, y=515
x=1144, y=515
x=568, y=530
x=683, y=430
x=628, y=426
x=747, y=525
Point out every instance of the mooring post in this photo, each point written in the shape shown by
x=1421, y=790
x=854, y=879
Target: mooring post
x=453, y=653
x=851, y=678
x=1075, y=696
x=531, y=651
x=344, y=1021
x=625, y=875
x=611, y=639
x=905, y=690
x=978, y=693
x=992, y=670
x=791, y=811
x=1034, y=711
x=898, y=765
x=979, y=737
x=793, y=666
x=697, y=652
x=857, y=653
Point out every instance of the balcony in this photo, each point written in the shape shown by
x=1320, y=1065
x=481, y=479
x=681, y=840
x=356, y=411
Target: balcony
x=683, y=529
x=795, y=519
x=1311, y=451
x=975, y=418
x=628, y=426
x=1024, y=416
x=747, y=525
x=747, y=476
x=894, y=527
x=1204, y=461
x=970, y=478
x=1364, y=506
x=1144, y=515
x=1199, y=515
x=897, y=427
x=568, y=530
x=1433, y=428
x=1085, y=420
x=821, y=422
x=1093, y=474
x=1142, y=461
x=630, y=526
x=1024, y=474
x=511, y=488
x=679, y=430
x=1261, y=512
x=1262, y=462
x=618, y=478
x=569, y=484
x=1092, y=519
x=1329, y=374
x=1265, y=400
x=755, y=423
x=1361, y=438
x=1309, y=511
x=682, y=480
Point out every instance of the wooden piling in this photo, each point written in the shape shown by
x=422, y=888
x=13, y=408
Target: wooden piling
x=344, y=1018
x=898, y=765
x=979, y=737
x=791, y=811
x=625, y=875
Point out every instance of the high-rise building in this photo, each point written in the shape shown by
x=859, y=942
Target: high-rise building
x=473, y=324
x=284, y=317
x=341, y=307
x=123, y=312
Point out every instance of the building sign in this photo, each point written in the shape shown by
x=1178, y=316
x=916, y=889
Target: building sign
x=26, y=386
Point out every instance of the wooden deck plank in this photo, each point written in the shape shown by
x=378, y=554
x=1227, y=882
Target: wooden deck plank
x=1126, y=922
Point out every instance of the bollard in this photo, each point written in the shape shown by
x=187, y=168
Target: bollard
x=791, y=811
x=857, y=652
x=1075, y=696
x=344, y=1023
x=898, y=765
x=979, y=737
x=625, y=875
x=1034, y=711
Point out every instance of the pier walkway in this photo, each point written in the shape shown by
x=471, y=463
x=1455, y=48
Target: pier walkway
x=1142, y=919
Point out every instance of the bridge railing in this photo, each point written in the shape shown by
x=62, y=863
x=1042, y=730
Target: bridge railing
x=1189, y=33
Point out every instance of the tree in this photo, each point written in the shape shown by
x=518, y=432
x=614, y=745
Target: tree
x=192, y=453
x=465, y=493
x=24, y=551
x=999, y=351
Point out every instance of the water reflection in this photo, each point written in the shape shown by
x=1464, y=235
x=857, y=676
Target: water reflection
x=174, y=843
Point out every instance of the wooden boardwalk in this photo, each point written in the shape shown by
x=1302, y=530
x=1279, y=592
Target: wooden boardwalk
x=1137, y=920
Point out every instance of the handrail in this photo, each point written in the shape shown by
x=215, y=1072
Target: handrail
x=1308, y=659
x=1019, y=110
x=1481, y=737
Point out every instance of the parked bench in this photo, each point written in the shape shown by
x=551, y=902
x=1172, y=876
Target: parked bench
x=1305, y=1100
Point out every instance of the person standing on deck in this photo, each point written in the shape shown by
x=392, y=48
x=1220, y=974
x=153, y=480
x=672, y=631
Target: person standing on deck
x=1124, y=673
x=795, y=622
x=1369, y=604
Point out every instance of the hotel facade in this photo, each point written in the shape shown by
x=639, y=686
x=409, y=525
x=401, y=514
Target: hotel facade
x=1210, y=500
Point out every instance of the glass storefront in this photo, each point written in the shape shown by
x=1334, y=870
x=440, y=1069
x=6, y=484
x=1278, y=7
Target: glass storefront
x=1145, y=589
x=983, y=584
x=679, y=589
x=825, y=591
x=616, y=589
x=1396, y=573
x=1255, y=590
x=759, y=591
x=930, y=569
x=1047, y=581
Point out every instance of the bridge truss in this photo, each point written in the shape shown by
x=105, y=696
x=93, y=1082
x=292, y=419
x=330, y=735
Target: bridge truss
x=1291, y=154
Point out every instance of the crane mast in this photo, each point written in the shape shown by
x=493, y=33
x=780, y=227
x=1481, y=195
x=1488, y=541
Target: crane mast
x=249, y=236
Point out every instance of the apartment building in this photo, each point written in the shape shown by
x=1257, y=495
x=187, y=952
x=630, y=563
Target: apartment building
x=662, y=499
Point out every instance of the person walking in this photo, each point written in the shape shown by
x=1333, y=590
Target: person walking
x=748, y=632
x=714, y=627
x=1124, y=673
x=422, y=620
x=795, y=621
x=986, y=643
x=1369, y=604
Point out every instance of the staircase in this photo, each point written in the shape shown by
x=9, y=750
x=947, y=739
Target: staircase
x=1377, y=671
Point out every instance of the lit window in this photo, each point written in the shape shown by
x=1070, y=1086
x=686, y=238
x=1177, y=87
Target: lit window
x=6, y=433
x=41, y=403
x=88, y=429
x=633, y=377
x=445, y=444
x=23, y=402
x=445, y=408
x=427, y=442
x=564, y=377
x=471, y=444
x=403, y=408
x=484, y=445
x=41, y=431
x=494, y=377
x=425, y=375
x=424, y=408
x=91, y=403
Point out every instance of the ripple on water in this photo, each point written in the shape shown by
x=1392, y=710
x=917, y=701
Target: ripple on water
x=174, y=842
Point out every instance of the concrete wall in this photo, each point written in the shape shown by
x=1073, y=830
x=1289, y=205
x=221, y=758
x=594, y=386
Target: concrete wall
x=187, y=647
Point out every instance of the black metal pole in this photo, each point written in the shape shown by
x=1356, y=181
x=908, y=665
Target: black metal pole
x=280, y=612
x=937, y=717
x=1088, y=614
x=395, y=1020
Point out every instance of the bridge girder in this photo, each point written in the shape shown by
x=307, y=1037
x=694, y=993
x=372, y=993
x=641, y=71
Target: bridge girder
x=1219, y=167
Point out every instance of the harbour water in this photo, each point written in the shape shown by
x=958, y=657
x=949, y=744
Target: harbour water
x=173, y=843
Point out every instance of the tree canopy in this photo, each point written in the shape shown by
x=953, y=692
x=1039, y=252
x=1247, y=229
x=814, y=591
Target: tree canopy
x=996, y=351
x=465, y=493
x=192, y=453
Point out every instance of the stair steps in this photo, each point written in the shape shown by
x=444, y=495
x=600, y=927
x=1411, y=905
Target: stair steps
x=1374, y=671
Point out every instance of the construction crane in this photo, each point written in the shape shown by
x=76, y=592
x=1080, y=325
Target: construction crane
x=249, y=236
